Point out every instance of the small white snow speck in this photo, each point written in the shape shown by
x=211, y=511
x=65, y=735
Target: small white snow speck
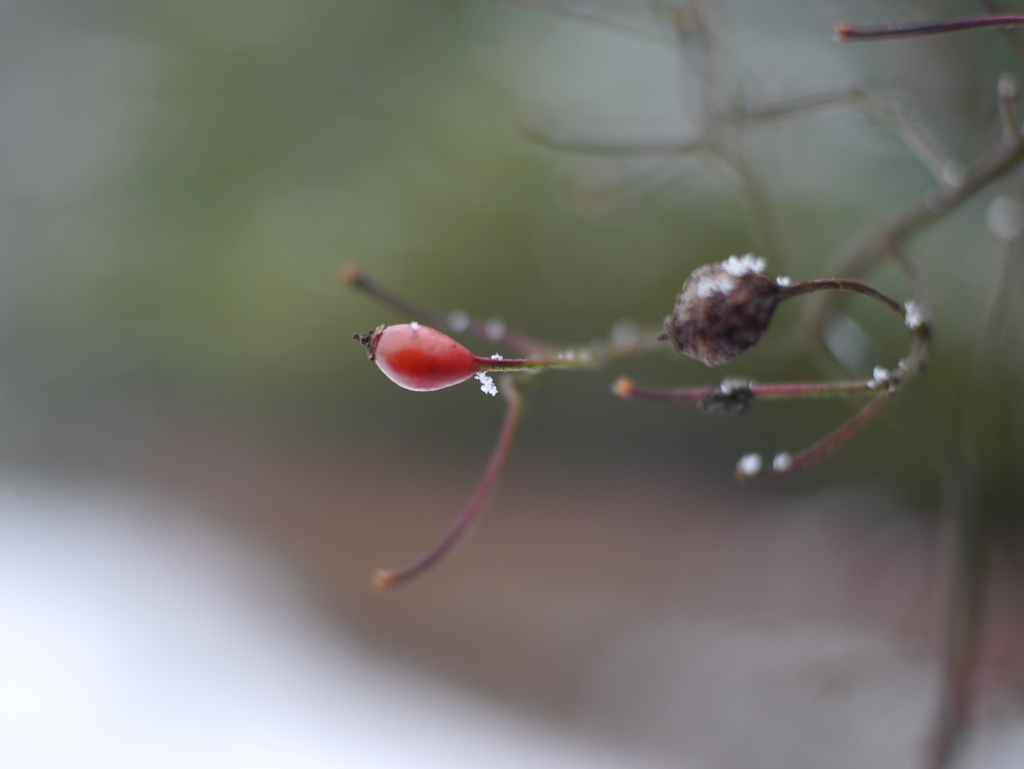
x=495, y=329
x=917, y=314
x=782, y=462
x=880, y=374
x=784, y=280
x=458, y=320
x=415, y=325
x=486, y=383
x=738, y=266
x=497, y=356
x=749, y=465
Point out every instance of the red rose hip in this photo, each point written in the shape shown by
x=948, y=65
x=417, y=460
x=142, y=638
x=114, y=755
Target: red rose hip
x=418, y=357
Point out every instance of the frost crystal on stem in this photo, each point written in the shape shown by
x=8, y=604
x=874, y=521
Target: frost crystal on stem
x=731, y=385
x=879, y=377
x=917, y=314
x=486, y=383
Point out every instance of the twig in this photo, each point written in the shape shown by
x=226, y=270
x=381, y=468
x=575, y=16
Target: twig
x=493, y=330
x=624, y=387
x=826, y=446
x=385, y=578
x=888, y=238
x=601, y=144
x=842, y=284
x=925, y=147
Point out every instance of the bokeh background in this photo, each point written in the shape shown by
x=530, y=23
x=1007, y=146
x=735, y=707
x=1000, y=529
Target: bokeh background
x=201, y=468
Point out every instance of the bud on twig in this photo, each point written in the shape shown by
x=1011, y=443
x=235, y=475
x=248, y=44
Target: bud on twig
x=722, y=310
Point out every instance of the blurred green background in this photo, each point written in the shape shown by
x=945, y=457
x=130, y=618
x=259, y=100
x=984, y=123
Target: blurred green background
x=179, y=182
x=181, y=179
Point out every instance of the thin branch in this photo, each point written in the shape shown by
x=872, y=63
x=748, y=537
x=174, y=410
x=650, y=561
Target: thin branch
x=386, y=578
x=925, y=147
x=800, y=105
x=493, y=330
x=607, y=144
x=624, y=387
x=826, y=446
x=842, y=284
x=847, y=32
x=890, y=235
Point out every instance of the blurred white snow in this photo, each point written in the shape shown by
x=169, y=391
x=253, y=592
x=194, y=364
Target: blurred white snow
x=133, y=634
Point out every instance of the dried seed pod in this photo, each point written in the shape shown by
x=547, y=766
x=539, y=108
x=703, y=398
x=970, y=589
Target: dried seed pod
x=722, y=310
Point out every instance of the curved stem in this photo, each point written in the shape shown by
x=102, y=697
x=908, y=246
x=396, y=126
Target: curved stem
x=842, y=284
x=387, y=578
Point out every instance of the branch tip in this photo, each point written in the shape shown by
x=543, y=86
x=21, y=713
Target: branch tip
x=623, y=387
x=382, y=579
x=347, y=274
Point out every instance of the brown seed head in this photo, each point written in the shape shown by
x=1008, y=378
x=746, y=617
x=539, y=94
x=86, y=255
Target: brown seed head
x=722, y=310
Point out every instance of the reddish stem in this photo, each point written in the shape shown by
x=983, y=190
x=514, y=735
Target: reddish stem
x=385, y=578
x=625, y=388
x=841, y=284
x=830, y=443
x=845, y=31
